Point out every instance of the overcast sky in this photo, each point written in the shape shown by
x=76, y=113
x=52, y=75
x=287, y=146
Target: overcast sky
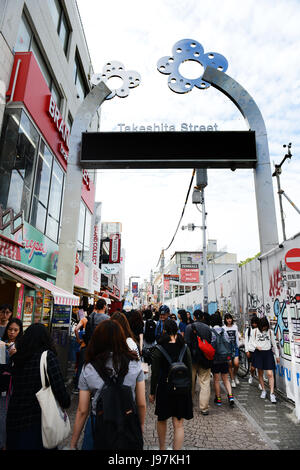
x=261, y=42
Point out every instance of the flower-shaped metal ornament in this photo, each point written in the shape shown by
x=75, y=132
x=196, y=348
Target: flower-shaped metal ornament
x=191, y=50
x=131, y=79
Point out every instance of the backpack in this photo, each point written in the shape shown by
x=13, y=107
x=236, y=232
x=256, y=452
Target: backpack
x=222, y=347
x=150, y=331
x=178, y=379
x=116, y=425
x=203, y=351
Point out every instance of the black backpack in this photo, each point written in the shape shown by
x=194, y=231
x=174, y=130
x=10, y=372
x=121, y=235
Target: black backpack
x=222, y=347
x=179, y=377
x=116, y=425
x=150, y=331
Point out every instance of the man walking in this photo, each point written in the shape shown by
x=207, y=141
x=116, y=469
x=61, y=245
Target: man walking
x=201, y=365
x=163, y=315
x=97, y=316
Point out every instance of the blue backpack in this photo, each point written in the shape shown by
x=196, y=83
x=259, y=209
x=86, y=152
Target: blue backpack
x=222, y=347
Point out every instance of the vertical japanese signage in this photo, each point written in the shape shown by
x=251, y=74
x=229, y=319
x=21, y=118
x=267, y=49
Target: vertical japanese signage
x=115, y=248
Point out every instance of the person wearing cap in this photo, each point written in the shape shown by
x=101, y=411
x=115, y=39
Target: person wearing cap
x=164, y=312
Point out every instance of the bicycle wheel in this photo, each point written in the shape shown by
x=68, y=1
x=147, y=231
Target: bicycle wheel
x=244, y=365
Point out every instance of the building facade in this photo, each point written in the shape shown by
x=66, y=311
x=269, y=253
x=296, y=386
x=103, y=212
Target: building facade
x=44, y=77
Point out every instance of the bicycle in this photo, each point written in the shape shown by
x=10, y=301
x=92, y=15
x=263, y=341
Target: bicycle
x=244, y=365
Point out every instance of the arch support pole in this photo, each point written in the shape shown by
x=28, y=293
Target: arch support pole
x=265, y=202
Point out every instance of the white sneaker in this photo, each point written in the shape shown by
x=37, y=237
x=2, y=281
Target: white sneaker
x=263, y=394
x=273, y=398
x=233, y=384
x=237, y=381
x=250, y=379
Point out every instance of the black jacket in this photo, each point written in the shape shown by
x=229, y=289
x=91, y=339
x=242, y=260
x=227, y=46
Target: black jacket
x=203, y=330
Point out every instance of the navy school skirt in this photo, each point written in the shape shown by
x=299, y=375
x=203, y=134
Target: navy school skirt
x=263, y=360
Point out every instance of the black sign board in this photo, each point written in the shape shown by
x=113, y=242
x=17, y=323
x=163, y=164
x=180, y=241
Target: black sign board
x=203, y=149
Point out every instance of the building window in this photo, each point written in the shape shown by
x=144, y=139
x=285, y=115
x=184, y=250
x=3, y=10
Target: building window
x=18, y=150
x=30, y=180
x=79, y=81
x=84, y=233
x=60, y=23
x=26, y=42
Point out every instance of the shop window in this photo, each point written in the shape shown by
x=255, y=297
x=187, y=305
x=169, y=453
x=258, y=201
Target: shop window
x=60, y=22
x=41, y=188
x=24, y=37
x=84, y=233
x=19, y=144
x=55, y=201
x=79, y=80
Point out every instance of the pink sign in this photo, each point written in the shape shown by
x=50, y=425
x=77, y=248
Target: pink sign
x=189, y=275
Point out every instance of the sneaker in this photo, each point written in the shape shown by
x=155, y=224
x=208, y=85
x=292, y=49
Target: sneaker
x=250, y=379
x=273, y=398
x=231, y=400
x=233, y=384
x=218, y=401
x=204, y=412
x=237, y=382
x=263, y=394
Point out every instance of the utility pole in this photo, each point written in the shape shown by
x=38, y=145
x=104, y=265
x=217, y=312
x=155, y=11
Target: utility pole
x=198, y=197
x=277, y=173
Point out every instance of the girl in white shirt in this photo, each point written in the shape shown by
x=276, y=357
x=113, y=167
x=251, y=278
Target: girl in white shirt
x=233, y=334
x=263, y=357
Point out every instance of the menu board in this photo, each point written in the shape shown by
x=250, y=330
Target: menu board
x=47, y=308
x=38, y=310
x=61, y=314
x=28, y=310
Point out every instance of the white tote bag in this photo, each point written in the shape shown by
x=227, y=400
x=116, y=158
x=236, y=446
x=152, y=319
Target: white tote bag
x=55, y=421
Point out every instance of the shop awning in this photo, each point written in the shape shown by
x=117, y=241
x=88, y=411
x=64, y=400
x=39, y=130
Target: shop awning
x=61, y=297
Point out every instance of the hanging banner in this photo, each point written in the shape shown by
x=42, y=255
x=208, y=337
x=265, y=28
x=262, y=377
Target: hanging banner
x=115, y=248
x=189, y=275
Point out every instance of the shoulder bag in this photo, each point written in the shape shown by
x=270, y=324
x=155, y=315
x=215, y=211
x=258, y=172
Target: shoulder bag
x=55, y=421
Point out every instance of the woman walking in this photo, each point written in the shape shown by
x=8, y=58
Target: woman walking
x=232, y=331
x=168, y=406
x=23, y=422
x=263, y=357
x=107, y=354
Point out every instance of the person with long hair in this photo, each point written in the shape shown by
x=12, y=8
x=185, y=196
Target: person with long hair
x=23, y=422
x=11, y=337
x=232, y=331
x=137, y=326
x=110, y=353
x=263, y=340
x=167, y=406
x=182, y=315
x=6, y=313
x=130, y=339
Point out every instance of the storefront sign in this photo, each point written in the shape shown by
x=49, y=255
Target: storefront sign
x=109, y=269
x=9, y=249
x=39, y=252
x=189, y=266
x=189, y=275
x=115, y=248
x=96, y=279
x=95, y=246
x=57, y=119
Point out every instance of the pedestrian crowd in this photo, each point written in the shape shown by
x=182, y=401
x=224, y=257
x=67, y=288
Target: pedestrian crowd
x=115, y=355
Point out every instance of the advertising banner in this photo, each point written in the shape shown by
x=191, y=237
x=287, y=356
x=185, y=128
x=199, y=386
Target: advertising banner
x=189, y=275
x=115, y=248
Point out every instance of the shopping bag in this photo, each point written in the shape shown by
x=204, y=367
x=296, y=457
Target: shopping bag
x=55, y=421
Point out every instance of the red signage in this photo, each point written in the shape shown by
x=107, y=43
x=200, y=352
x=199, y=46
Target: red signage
x=10, y=249
x=189, y=275
x=292, y=259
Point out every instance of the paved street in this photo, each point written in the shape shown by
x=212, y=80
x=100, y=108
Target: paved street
x=253, y=424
